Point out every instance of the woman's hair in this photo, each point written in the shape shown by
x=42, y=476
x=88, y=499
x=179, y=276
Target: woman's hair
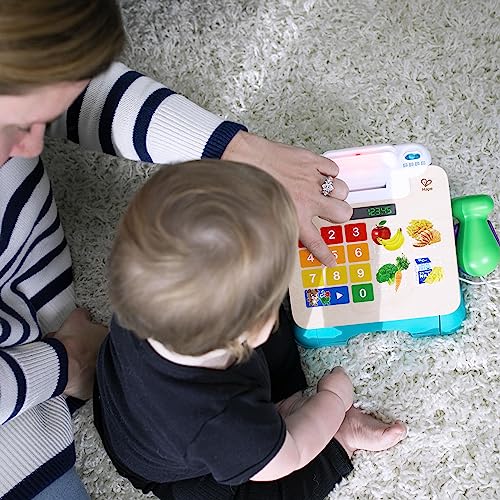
x=50, y=41
x=204, y=253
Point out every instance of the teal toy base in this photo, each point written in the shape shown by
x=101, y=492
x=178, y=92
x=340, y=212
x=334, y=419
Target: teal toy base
x=416, y=327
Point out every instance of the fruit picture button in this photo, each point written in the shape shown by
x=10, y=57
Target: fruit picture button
x=339, y=253
x=383, y=236
x=312, y=278
x=360, y=273
x=307, y=259
x=355, y=232
x=336, y=275
x=332, y=234
x=358, y=252
x=362, y=293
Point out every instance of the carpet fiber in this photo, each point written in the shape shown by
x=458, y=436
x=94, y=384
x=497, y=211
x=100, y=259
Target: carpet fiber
x=325, y=75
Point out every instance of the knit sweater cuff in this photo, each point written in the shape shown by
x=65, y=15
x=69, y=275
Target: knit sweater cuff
x=31, y=374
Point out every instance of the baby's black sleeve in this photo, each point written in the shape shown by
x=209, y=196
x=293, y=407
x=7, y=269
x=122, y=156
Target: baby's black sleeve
x=240, y=441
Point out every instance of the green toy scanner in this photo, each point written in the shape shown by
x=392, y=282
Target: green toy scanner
x=478, y=247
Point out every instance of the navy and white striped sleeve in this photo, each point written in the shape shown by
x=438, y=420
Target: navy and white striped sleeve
x=31, y=374
x=127, y=114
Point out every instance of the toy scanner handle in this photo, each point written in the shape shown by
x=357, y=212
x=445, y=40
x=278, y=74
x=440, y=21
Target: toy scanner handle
x=478, y=251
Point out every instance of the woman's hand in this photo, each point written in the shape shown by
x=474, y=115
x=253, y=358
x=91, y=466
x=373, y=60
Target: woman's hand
x=82, y=340
x=302, y=173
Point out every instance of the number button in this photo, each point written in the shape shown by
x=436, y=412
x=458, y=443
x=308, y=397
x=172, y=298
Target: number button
x=358, y=253
x=355, y=232
x=336, y=275
x=339, y=253
x=307, y=259
x=332, y=234
x=312, y=278
x=362, y=293
x=360, y=273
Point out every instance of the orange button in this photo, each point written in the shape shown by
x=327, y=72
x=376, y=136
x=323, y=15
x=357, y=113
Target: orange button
x=307, y=259
x=339, y=252
x=358, y=252
x=336, y=275
x=312, y=278
x=360, y=273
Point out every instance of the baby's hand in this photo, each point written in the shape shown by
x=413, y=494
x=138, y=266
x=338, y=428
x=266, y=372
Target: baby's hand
x=338, y=382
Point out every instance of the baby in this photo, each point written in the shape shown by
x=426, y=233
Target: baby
x=199, y=383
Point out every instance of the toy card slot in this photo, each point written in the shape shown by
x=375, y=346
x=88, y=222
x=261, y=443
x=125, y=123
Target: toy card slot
x=371, y=177
x=379, y=172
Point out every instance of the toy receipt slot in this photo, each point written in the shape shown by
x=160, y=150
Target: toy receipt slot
x=396, y=262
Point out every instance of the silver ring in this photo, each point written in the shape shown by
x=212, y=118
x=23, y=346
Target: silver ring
x=327, y=187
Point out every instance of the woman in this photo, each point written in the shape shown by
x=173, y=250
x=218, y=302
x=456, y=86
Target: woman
x=56, y=67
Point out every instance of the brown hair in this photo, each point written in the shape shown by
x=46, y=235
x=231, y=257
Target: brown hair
x=203, y=254
x=49, y=41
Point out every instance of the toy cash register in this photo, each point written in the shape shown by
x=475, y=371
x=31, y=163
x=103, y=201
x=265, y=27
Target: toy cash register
x=396, y=262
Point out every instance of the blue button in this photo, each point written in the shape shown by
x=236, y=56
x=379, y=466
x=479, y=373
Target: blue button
x=412, y=156
x=340, y=295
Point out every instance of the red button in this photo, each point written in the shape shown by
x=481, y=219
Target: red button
x=332, y=234
x=355, y=232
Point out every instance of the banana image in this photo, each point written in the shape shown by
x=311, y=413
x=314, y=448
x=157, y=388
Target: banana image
x=394, y=242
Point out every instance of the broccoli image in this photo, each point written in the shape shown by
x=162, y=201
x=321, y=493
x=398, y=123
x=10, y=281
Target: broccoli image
x=387, y=273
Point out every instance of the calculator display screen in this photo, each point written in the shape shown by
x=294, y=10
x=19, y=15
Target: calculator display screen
x=373, y=211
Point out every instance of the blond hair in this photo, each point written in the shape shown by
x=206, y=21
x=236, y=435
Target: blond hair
x=50, y=41
x=203, y=254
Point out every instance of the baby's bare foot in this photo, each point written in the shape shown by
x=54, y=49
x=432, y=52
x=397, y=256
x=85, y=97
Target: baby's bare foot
x=360, y=431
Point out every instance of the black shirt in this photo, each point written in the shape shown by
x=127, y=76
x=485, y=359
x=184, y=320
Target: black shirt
x=166, y=422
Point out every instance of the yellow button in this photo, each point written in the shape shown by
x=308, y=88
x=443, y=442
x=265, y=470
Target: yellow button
x=307, y=259
x=360, y=273
x=358, y=252
x=339, y=252
x=336, y=275
x=312, y=278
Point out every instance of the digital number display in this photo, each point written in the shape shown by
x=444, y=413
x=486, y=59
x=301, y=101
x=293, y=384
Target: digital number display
x=375, y=211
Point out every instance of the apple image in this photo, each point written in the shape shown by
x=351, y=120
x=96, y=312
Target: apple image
x=381, y=231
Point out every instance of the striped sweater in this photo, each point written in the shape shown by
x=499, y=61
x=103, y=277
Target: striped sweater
x=123, y=113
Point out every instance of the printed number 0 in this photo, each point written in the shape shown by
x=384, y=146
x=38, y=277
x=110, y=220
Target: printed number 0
x=362, y=293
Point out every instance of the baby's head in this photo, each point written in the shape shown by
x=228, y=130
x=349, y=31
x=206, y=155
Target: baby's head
x=203, y=256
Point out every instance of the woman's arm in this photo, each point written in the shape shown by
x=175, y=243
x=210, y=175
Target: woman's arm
x=127, y=114
x=31, y=374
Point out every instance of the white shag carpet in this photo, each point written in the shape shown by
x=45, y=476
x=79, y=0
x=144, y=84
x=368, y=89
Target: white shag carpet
x=330, y=74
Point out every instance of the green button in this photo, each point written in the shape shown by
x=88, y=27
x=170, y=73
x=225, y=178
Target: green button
x=362, y=293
